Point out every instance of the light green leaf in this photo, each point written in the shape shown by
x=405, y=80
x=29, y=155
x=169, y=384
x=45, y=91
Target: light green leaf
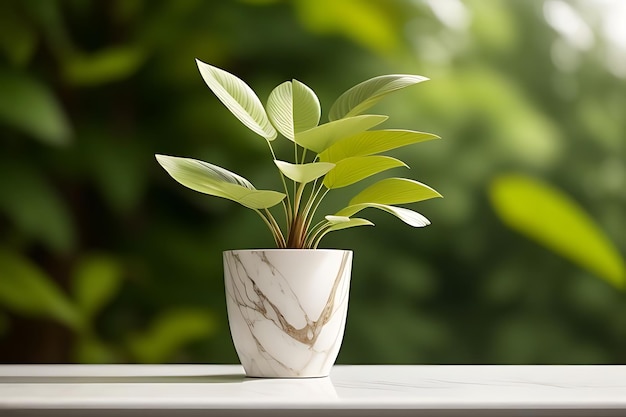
x=170, y=332
x=551, y=218
x=337, y=219
x=239, y=98
x=410, y=217
x=304, y=173
x=373, y=142
x=323, y=136
x=351, y=170
x=293, y=107
x=213, y=180
x=32, y=108
x=350, y=223
x=395, y=191
x=364, y=95
x=95, y=282
x=25, y=289
x=354, y=169
x=105, y=66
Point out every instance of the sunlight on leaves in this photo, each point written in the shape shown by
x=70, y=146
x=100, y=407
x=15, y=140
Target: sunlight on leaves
x=351, y=170
x=213, y=180
x=304, y=173
x=292, y=107
x=348, y=224
x=239, y=98
x=373, y=142
x=410, y=217
x=323, y=136
x=364, y=95
x=395, y=191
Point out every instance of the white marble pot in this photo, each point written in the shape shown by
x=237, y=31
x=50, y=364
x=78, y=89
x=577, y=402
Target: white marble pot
x=287, y=309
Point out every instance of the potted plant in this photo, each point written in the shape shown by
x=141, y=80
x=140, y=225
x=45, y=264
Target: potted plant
x=287, y=306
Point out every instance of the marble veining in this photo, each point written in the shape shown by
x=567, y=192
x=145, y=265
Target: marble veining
x=287, y=309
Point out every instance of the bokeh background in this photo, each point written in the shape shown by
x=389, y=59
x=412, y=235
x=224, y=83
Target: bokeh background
x=104, y=258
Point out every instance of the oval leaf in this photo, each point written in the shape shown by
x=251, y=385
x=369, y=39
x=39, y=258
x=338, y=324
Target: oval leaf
x=32, y=108
x=337, y=219
x=213, y=180
x=239, y=98
x=293, y=107
x=551, y=218
x=104, y=66
x=25, y=289
x=395, y=191
x=304, y=173
x=350, y=223
x=170, y=332
x=323, y=136
x=364, y=95
x=96, y=280
x=370, y=143
x=354, y=169
x=410, y=217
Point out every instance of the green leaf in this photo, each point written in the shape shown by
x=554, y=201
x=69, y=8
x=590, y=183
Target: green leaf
x=239, y=98
x=354, y=169
x=293, y=107
x=170, y=332
x=395, y=191
x=95, y=282
x=32, y=108
x=121, y=177
x=104, y=66
x=304, y=173
x=337, y=219
x=551, y=218
x=323, y=136
x=364, y=95
x=89, y=349
x=34, y=207
x=370, y=143
x=348, y=224
x=213, y=180
x=25, y=289
x=410, y=217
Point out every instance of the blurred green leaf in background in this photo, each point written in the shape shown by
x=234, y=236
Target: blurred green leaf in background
x=548, y=216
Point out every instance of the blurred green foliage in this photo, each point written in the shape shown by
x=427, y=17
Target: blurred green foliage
x=104, y=259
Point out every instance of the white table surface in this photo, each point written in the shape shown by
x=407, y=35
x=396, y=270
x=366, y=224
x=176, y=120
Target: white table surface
x=210, y=390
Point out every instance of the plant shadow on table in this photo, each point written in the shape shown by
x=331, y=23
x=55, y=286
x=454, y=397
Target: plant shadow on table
x=116, y=379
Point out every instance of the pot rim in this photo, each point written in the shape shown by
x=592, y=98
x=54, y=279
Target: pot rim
x=286, y=250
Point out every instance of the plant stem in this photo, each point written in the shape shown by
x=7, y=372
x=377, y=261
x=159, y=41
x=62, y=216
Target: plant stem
x=276, y=234
x=276, y=227
x=288, y=214
x=315, y=240
x=308, y=213
x=310, y=236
